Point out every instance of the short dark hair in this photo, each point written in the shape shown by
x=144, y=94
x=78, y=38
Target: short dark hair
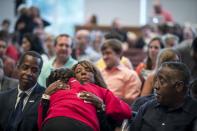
x=194, y=45
x=35, y=43
x=61, y=35
x=4, y=36
x=114, y=44
x=181, y=68
x=5, y=21
x=158, y=39
x=31, y=53
x=193, y=88
x=62, y=74
x=114, y=35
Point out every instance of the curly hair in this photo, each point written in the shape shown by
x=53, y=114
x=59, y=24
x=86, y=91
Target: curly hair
x=62, y=74
x=97, y=75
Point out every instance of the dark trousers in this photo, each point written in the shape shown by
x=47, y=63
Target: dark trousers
x=65, y=124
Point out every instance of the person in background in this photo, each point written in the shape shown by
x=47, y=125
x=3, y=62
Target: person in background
x=146, y=67
x=164, y=15
x=96, y=41
x=83, y=49
x=122, y=81
x=24, y=23
x=92, y=20
x=13, y=48
x=62, y=45
x=6, y=83
x=164, y=55
x=123, y=60
x=188, y=53
x=38, y=21
x=49, y=45
x=19, y=106
x=9, y=62
x=31, y=42
x=117, y=27
x=172, y=109
x=189, y=33
x=193, y=89
x=170, y=40
x=5, y=26
x=146, y=36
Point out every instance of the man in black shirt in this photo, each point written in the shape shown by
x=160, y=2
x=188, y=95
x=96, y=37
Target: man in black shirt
x=172, y=109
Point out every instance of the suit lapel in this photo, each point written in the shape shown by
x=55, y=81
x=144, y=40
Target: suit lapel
x=12, y=100
x=33, y=99
x=4, y=84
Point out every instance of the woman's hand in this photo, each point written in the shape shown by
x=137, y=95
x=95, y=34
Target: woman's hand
x=57, y=85
x=92, y=98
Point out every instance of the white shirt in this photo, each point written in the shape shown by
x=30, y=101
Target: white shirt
x=28, y=92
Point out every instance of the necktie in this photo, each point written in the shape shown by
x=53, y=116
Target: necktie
x=12, y=125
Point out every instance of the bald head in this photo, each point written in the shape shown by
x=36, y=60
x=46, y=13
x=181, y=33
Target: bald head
x=83, y=33
x=82, y=38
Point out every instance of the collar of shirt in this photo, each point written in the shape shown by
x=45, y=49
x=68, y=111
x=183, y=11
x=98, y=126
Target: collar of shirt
x=28, y=92
x=119, y=67
x=67, y=64
x=183, y=106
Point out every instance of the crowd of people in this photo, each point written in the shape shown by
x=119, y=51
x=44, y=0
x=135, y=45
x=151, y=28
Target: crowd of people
x=86, y=83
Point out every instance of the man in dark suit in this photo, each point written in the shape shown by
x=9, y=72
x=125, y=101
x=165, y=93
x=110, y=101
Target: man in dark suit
x=19, y=112
x=6, y=83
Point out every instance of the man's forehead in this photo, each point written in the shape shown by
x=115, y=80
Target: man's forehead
x=164, y=70
x=63, y=38
x=29, y=58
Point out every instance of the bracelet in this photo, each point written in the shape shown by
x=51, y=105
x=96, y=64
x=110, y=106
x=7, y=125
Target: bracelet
x=45, y=96
x=102, y=108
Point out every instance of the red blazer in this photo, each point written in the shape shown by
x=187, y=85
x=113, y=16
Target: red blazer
x=66, y=103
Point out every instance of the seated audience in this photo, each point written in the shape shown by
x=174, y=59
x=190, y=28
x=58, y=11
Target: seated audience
x=6, y=83
x=164, y=55
x=188, y=53
x=123, y=82
x=18, y=110
x=146, y=67
x=172, y=109
x=9, y=62
x=62, y=58
x=31, y=42
x=193, y=89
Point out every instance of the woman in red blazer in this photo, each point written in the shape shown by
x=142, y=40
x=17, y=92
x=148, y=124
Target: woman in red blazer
x=73, y=108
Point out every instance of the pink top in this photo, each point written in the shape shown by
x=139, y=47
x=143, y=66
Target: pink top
x=66, y=103
x=123, y=82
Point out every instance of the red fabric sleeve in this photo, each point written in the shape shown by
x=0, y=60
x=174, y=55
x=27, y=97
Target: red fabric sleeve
x=116, y=108
x=39, y=122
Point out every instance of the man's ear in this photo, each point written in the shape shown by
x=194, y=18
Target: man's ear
x=179, y=86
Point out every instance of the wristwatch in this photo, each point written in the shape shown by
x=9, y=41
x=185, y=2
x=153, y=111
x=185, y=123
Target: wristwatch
x=45, y=96
x=102, y=108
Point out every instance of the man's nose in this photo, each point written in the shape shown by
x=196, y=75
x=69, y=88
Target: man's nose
x=29, y=72
x=156, y=85
x=104, y=56
x=83, y=72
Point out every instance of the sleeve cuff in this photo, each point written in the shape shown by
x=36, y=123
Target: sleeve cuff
x=45, y=96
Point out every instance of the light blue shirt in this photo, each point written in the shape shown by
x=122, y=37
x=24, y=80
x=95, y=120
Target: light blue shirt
x=48, y=67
